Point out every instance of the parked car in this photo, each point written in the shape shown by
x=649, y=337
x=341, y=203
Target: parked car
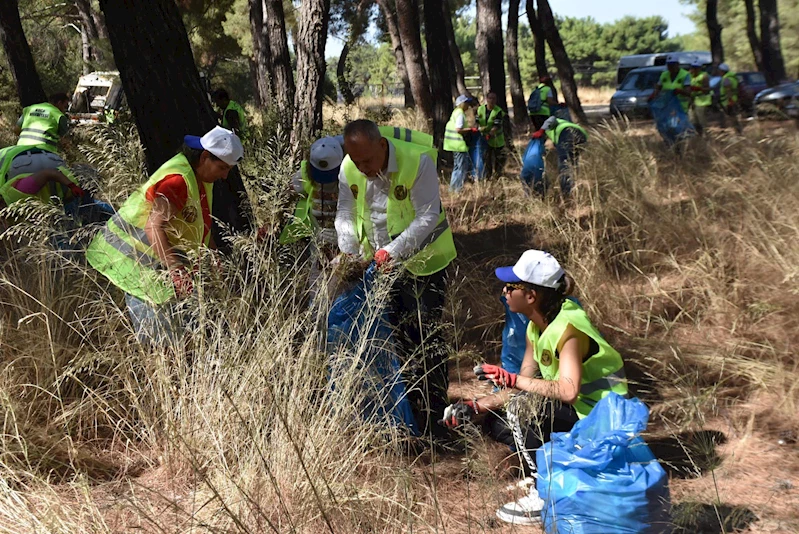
x=631, y=98
x=628, y=63
x=750, y=84
x=775, y=99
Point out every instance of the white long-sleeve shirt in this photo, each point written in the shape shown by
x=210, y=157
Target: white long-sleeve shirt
x=425, y=199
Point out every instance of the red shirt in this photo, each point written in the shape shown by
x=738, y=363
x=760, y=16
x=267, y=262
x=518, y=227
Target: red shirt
x=173, y=188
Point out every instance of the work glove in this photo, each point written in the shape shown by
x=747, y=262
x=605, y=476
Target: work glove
x=76, y=191
x=459, y=413
x=382, y=258
x=495, y=374
x=539, y=134
x=181, y=281
x=474, y=130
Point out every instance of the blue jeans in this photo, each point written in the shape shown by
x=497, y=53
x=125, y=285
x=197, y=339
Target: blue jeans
x=159, y=326
x=462, y=166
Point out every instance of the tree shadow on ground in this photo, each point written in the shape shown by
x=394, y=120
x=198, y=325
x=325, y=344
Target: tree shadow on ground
x=688, y=454
x=701, y=518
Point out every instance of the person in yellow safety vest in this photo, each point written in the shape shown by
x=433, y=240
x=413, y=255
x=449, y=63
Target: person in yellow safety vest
x=578, y=367
x=233, y=116
x=24, y=175
x=454, y=142
x=389, y=211
x=728, y=96
x=316, y=185
x=143, y=249
x=43, y=125
x=490, y=118
x=701, y=97
x=548, y=97
x=675, y=79
x=568, y=139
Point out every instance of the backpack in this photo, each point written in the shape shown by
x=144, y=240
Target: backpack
x=534, y=102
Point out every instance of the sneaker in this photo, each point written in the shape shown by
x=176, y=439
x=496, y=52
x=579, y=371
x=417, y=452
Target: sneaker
x=525, y=511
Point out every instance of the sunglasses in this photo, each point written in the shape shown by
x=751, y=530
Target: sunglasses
x=509, y=287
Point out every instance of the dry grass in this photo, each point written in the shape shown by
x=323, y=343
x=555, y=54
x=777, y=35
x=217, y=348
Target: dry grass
x=689, y=267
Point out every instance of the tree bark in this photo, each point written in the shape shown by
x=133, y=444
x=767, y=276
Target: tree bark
x=751, y=34
x=89, y=35
x=562, y=62
x=399, y=53
x=490, y=49
x=282, y=74
x=773, y=64
x=408, y=23
x=164, y=92
x=714, y=31
x=341, y=75
x=539, y=40
x=438, y=54
x=310, y=40
x=521, y=119
x=261, y=55
x=457, y=61
x=20, y=59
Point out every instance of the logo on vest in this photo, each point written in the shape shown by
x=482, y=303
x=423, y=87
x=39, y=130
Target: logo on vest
x=354, y=189
x=546, y=357
x=400, y=192
x=189, y=214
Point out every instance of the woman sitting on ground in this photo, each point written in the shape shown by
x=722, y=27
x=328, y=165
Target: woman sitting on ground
x=578, y=367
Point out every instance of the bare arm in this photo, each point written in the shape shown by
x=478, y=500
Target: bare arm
x=161, y=214
x=499, y=399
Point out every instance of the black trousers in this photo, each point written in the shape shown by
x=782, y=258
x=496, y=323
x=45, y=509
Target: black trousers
x=495, y=161
x=553, y=417
x=418, y=305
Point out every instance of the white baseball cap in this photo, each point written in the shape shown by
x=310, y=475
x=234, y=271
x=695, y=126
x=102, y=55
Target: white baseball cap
x=550, y=124
x=534, y=267
x=222, y=143
x=672, y=58
x=326, y=157
x=461, y=99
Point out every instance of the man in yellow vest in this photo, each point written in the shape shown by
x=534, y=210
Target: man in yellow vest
x=546, y=100
x=454, y=142
x=675, y=79
x=43, y=125
x=728, y=96
x=389, y=210
x=145, y=246
x=568, y=139
x=490, y=119
x=701, y=97
x=233, y=116
x=577, y=365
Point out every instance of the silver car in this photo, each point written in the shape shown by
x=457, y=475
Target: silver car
x=780, y=99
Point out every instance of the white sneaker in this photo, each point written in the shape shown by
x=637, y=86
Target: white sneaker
x=525, y=511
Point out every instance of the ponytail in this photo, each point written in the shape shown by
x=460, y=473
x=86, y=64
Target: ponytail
x=550, y=300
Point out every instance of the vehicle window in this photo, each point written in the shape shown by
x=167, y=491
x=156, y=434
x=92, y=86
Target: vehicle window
x=630, y=82
x=756, y=78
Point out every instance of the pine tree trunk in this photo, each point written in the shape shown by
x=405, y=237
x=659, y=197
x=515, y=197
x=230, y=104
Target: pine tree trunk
x=261, y=55
x=521, y=119
x=490, y=49
x=457, y=61
x=282, y=74
x=539, y=40
x=164, y=92
x=341, y=75
x=18, y=53
x=714, y=31
x=310, y=39
x=438, y=54
x=751, y=34
x=408, y=24
x=773, y=64
x=562, y=62
x=89, y=34
x=399, y=55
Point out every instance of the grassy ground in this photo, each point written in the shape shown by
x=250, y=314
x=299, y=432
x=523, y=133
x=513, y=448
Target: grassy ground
x=689, y=266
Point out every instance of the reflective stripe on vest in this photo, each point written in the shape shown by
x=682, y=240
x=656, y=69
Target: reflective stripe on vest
x=406, y=134
x=453, y=141
x=498, y=139
x=554, y=134
x=437, y=250
x=40, y=126
x=301, y=225
x=602, y=373
x=123, y=252
x=678, y=82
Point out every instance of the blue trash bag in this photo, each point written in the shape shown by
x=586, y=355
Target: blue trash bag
x=514, y=338
x=477, y=152
x=671, y=120
x=533, y=162
x=601, y=477
x=352, y=317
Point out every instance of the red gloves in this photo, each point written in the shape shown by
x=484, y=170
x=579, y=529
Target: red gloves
x=181, y=281
x=382, y=257
x=497, y=375
x=459, y=413
x=77, y=192
x=539, y=134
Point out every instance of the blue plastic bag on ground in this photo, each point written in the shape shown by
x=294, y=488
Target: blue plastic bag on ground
x=477, y=152
x=353, y=318
x=533, y=162
x=671, y=120
x=601, y=477
x=514, y=338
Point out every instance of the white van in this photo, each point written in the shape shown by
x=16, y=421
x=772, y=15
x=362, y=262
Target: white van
x=628, y=63
x=96, y=95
